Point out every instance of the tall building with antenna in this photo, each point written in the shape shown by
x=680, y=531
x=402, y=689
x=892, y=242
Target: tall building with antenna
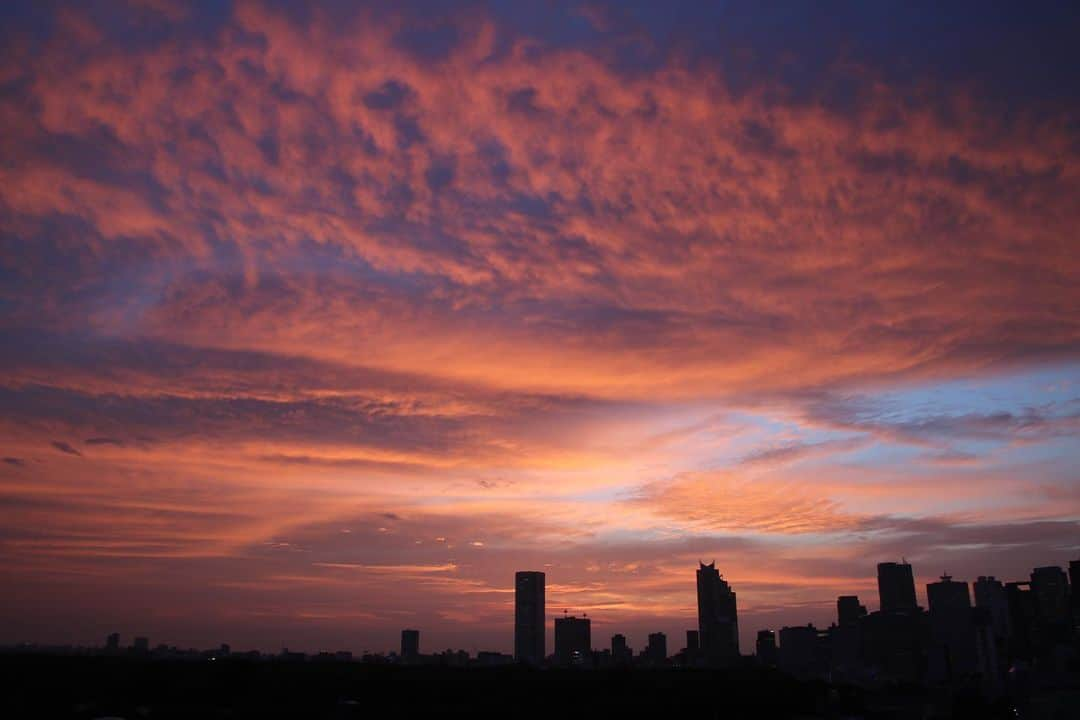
x=573, y=640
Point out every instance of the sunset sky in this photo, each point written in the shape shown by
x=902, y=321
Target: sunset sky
x=318, y=322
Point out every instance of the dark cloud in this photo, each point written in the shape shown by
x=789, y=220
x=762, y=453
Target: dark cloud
x=401, y=432
x=430, y=39
x=409, y=132
x=523, y=100
x=970, y=549
x=65, y=448
x=363, y=422
x=389, y=96
x=17, y=462
x=440, y=174
x=864, y=414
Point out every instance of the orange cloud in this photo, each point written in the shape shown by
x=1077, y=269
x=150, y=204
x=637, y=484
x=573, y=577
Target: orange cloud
x=727, y=503
x=658, y=208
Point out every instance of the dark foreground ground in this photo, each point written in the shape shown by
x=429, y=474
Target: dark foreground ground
x=96, y=687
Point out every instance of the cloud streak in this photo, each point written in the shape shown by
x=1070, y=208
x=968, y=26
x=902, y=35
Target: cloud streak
x=65, y=448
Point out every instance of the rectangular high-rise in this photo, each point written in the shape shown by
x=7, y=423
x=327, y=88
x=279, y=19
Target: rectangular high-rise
x=410, y=644
x=718, y=623
x=766, y=648
x=1074, y=594
x=896, y=587
x=1051, y=588
x=656, y=650
x=573, y=640
x=618, y=645
x=952, y=653
x=990, y=596
x=620, y=653
x=529, y=617
x=800, y=651
x=1023, y=619
x=848, y=610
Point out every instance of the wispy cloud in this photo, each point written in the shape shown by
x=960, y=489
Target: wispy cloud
x=65, y=448
x=790, y=453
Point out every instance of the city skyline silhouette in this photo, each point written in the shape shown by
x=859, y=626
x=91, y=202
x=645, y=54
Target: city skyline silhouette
x=993, y=626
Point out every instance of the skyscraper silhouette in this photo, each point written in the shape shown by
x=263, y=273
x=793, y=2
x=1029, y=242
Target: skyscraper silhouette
x=848, y=610
x=896, y=587
x=766, y=648
x=692, y=654
x=1023, y=619
x=573, y=640
x=718, y=622
x=799, y=650
x=656, y=650
x=1074, y=596
x=1050, y=593
x=410, y=644
x=893, y=640
x=529, y=617
x=846, y=637
x=1051, y=588
x=620, y=653
x=990, y=597
x=952, y=631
